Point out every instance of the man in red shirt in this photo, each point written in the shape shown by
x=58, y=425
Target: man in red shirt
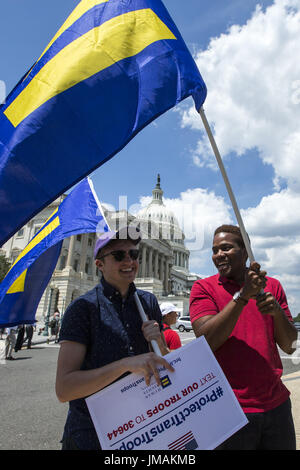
x=243, y=328
x=169, y=316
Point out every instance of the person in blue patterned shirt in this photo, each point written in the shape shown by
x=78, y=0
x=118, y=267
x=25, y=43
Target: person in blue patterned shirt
x=103, y=338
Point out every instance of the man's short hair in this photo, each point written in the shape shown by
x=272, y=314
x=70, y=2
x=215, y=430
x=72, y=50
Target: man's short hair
x=232, y=229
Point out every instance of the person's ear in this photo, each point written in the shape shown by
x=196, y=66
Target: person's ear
x=99, y=263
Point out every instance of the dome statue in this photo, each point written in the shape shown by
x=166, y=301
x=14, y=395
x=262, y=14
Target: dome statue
x=159, y=222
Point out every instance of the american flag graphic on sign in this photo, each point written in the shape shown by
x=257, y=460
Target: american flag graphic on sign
x=185, y=442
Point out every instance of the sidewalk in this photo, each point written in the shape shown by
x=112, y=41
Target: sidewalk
x=39, y=339
x=292, y=382
x=36, y=339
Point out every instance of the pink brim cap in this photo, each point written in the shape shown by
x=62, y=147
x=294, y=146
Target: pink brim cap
x=125, y=233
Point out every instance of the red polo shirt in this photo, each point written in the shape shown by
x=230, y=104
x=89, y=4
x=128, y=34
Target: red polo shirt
x=172, y=338
x=249, y=358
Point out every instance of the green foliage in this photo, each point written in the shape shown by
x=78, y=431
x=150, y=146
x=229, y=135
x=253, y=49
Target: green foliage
x=297, y=318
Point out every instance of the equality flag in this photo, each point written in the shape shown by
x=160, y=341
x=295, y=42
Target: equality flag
x=111, y=69
x=24, y=284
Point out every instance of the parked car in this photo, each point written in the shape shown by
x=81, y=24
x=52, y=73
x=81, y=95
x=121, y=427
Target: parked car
x=184, y=324
x=297, y=325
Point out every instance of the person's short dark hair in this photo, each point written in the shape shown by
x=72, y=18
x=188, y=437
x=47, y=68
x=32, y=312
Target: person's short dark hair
x=232, y=229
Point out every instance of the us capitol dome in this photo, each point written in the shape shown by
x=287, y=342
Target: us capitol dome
x=160, y=223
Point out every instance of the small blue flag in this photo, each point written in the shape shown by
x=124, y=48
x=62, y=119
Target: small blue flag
x=24, y=284
x=111, y=69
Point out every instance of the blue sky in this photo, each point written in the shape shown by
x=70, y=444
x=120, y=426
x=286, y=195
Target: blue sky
x=246, y=55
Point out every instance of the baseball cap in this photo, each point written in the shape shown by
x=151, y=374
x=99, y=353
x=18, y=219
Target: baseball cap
x=167, y=307
x=132, y=233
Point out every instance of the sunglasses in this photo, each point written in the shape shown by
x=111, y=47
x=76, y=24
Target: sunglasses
x=119, y=255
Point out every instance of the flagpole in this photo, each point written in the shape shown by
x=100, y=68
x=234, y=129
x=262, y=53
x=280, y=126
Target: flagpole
x=145, y=318
x=227, y=184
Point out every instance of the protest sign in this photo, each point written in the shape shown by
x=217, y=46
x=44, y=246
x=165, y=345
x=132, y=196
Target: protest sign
x=193, y=408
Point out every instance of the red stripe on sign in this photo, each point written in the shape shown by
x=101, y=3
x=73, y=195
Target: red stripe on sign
x=181, y=441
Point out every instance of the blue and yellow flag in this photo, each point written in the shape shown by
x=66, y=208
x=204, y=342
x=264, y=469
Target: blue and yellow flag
x=112, y=68
x=24, y=284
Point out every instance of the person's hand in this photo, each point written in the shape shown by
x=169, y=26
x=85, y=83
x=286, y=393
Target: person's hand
x=147, y=365
x=151, y=330
x=255, y=281
x=267, y=304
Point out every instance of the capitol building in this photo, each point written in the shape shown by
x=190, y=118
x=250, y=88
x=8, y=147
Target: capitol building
x=163, y=262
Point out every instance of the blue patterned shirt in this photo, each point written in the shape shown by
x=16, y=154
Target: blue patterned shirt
x=110, y=328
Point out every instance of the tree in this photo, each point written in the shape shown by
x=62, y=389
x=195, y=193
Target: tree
x=4, y=267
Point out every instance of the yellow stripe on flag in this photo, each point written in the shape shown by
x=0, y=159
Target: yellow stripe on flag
x=116, y=39
x=50, y=216
x=83, y=7
x=80, y=10
x=38, y=238
x=18, y=285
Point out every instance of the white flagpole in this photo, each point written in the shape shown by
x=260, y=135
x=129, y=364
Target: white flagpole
x=145, y=318
x=227, y=183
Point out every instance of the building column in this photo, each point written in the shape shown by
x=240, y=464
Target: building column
x=83, y=252
x=71, y=251
x=166, y=277
x=161, y=268
x=156, y=275
x=94, y=269
x=150, y=262
x=144, y=255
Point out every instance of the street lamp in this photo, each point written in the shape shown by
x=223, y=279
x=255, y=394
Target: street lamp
x=48, y=313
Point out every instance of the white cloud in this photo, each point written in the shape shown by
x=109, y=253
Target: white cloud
x=253, y=79
x=199, y=212
x=253, y=102
x=2, y=92
x=277, y=215
x=274, y=230
x=107, y=206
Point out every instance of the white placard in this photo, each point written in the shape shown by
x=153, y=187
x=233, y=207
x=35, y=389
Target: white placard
x=193, y=408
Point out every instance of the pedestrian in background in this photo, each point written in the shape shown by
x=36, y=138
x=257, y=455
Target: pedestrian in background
x=10, y=342
x=20, y=338
x=169, y=314
x=29, y=334
x=54, y=325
